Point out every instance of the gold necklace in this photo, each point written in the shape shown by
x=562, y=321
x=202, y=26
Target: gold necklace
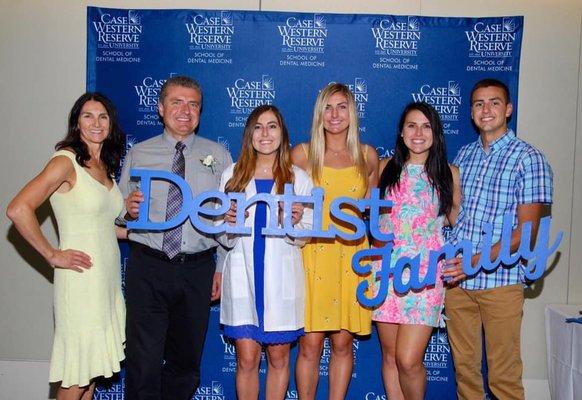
x=265, y=170
x=336, y=152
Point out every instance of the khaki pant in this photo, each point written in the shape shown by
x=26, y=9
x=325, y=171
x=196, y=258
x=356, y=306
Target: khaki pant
x=497, y=312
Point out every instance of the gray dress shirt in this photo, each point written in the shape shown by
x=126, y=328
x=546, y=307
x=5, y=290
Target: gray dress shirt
x=157, y=153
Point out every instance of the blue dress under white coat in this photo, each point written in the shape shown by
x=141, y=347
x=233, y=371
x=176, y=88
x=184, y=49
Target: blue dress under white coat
x=263, y=278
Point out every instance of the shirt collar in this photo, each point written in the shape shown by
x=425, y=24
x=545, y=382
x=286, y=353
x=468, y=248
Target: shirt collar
x=171, y=142
x=500, y=143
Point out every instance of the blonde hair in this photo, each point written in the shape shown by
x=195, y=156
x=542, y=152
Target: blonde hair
x=244, y=169
x=317, y=142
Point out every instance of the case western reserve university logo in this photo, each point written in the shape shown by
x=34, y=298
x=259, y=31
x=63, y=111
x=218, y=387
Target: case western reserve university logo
x=212, y=32
x=245, y=95
x=397, y=37
x=303, y=35
x=303, y=41
x=437, y=357
x=118, y=30
x=445, y=99
x=213, y=392
x=490, y=44
x=210, y=37
x=396, y=40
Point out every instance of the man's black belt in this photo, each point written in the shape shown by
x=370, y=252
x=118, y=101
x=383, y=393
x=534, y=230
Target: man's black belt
x=179, y=258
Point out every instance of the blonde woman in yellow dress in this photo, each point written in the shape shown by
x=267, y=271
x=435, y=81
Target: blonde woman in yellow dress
x=342, y=166
x=88, y=304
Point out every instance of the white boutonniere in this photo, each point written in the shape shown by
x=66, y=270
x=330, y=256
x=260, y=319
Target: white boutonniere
x=209, y=162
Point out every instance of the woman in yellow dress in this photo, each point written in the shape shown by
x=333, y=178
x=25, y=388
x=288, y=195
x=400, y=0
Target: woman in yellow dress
x=342, y=166
x=88, y=304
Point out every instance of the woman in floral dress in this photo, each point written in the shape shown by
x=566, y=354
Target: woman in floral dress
x=424, y=190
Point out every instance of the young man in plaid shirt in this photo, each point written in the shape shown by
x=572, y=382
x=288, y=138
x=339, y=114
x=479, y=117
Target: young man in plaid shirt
x=500, y=174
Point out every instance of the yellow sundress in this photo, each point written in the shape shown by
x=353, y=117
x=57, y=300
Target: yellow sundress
x=330, y=301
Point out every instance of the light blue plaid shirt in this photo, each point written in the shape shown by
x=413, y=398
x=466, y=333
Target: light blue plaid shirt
x=493, y=184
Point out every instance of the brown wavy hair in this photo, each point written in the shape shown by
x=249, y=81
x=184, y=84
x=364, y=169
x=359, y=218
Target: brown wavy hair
x=247, y=160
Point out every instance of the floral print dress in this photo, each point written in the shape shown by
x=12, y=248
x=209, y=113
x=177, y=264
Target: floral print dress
x=417, y=229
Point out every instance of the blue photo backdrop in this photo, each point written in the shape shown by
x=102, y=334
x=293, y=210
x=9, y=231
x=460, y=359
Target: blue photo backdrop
x=246, y=58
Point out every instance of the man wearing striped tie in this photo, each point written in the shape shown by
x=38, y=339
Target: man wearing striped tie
x=170, y=276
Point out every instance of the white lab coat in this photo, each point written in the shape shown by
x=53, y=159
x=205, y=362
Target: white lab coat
x=284, y=284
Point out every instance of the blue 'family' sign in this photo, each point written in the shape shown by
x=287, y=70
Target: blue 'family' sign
x=193, y=208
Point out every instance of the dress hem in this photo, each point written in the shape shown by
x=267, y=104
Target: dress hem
x=82, y=383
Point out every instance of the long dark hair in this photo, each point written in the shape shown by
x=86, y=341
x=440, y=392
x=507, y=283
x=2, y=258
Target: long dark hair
x=113, y=145
x=247, y=161
x=436, y=166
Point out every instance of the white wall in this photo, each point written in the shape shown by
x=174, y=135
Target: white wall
x=42, y=71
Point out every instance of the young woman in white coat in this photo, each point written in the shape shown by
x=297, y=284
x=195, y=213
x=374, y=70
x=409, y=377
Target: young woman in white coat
x=262, y=302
